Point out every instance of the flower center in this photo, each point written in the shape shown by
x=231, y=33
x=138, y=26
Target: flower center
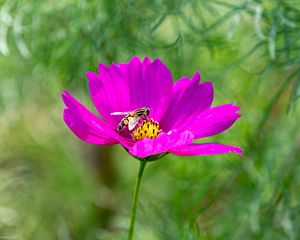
x=148, y=129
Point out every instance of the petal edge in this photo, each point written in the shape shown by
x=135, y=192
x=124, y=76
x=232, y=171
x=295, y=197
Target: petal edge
x=206, y=149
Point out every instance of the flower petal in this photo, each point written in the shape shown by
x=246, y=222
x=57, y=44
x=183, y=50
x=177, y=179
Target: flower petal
x=84, y=124
x=109, y=92
x=206, y=149
x=156, y=88
x=189, y=99
x=214, y=120
x=161, y=144
x=126, y=87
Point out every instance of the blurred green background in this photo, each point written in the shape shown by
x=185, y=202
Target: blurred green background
x=54, y=186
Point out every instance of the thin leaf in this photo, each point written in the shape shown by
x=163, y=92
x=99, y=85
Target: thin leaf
x=257, y=21
x=295, y=92
x=235, y=21
x=275, y=98
x=272, y=40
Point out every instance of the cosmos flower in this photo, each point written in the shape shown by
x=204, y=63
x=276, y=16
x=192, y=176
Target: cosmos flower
x=180, y=112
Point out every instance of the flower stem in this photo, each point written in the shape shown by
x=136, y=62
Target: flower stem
x=135, y=199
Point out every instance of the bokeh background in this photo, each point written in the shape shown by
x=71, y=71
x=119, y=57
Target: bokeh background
x=53, y=186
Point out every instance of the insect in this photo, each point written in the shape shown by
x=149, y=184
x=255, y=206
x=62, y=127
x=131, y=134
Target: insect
x=132, y=118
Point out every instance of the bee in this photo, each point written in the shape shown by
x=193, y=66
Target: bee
x=132, y=118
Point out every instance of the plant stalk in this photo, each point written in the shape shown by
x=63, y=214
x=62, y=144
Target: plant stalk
x=135, y=199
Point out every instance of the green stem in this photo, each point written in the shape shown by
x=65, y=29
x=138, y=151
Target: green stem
x=135, y=199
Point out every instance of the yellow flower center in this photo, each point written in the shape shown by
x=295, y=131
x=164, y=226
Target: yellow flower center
x=148, y=129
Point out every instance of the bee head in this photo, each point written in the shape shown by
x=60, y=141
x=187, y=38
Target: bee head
x=147, y=111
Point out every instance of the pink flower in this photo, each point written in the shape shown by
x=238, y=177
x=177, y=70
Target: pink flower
x=181, y=112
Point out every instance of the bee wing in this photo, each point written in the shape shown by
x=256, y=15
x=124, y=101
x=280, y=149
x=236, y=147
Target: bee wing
x=133, y=122
x=119, y=113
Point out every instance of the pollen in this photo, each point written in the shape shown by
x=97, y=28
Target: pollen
x=148, y=129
